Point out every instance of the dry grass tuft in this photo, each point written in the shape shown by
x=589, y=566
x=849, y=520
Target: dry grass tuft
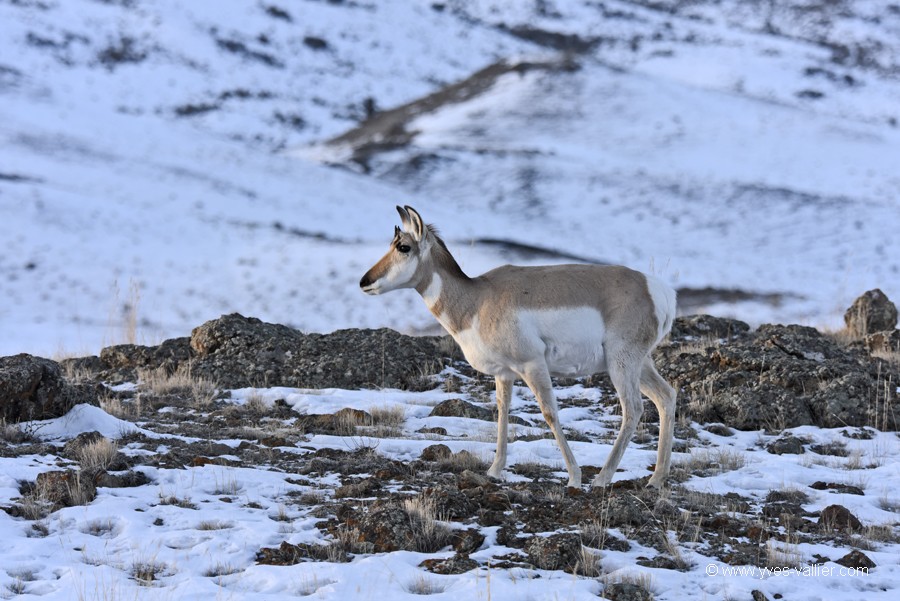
x=97, y=455
x=431, y=535
x=425, y=585
x=182, y=382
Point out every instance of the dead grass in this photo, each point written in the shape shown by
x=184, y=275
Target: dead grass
x=146, y=570
x=15, y=433
x=214, y=525
x=639, y=580
x=97, y=455
x=183, y=502
x=711, y=462
x=182, y=382
x=431, y=536
x=425, y=585
x=784, y=554
x=462, y=461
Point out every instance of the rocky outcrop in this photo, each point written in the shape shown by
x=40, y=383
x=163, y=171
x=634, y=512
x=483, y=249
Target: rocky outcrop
x=872, y=312
x=35, y=388
x=236, y=351
x=776, y=376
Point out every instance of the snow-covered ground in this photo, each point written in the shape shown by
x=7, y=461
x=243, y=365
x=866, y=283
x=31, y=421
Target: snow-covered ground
x=152, y=166
x=204, y=545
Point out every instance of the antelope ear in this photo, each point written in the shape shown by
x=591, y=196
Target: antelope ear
x=416, y=225
x=405, y=220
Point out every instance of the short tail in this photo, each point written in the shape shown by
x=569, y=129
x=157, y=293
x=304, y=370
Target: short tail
x=664, y=302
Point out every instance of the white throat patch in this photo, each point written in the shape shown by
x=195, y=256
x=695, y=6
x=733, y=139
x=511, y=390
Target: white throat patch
x=433, y=292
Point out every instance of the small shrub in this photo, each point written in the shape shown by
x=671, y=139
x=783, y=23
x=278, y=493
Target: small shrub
x=97, y=455
x=423, y=585
x=430, y=534
x=146, y=571
x=214, y=525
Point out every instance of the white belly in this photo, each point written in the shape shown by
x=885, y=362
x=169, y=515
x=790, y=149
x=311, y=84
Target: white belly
x=572, y=339
x=569, y=341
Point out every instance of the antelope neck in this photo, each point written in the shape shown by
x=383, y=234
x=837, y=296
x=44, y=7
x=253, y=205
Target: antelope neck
x=449, y=298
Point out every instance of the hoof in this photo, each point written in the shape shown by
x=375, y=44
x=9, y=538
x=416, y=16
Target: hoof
x=656, y=482
x=600, y=482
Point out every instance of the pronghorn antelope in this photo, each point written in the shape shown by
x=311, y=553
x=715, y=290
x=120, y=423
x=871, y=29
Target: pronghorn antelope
x=536, y=322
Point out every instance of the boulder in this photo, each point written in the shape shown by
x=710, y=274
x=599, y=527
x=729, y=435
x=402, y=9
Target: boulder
x=776, y=377
x=34, y=388
x=555, y=552
x=237, y=352
x=871, y=312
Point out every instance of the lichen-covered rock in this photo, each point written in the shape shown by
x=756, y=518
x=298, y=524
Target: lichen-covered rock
x=786, y=445
x=707, y=327
x=871, y=312
x=234, y=351
x=458, y=564
x=65, y=488
x=237, y=351
x=626, y=591
x=555, y=552
x=776, y=377
x=34, y=388
x=838, y=517
x=856, y=559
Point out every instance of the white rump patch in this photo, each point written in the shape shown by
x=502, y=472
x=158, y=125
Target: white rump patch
x=663, y=297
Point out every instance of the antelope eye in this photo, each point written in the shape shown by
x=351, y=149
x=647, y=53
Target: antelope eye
x=404, y=248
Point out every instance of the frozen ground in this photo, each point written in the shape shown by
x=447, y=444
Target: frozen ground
x=155, y=164
x=198, y=529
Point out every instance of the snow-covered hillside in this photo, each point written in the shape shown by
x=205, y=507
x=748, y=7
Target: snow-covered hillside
x=155, y=164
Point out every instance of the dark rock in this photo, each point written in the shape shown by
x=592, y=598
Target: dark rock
x=237, y=351
x=387, y=528
x=436, y=452
x=34, y=388
x=786, y=445
x=508, y=536
x=461, y=408
x=288, y=554
x=719, y=430
x=856, y=559
x=74, y=447
x=65, y=488
x=458, y=564
x=121, y=362
x=838, y=517
x=837, y=487
x=758, y=595
x=450, y=502
x=871, y=312
x=315, y=43
x=662, y=562
x=777, y=377
x=701, y=327
x=363, y=488
x=626, y=591
x=129, y=479
x=555, y=552
x=436, y=430
x=883, y=342
x=467, y=541
x=469, y=479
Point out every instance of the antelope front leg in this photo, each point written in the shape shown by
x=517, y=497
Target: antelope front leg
x=538, y=380
x=504, y=394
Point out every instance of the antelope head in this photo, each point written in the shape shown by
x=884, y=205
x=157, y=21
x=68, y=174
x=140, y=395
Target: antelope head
x=401, y=267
